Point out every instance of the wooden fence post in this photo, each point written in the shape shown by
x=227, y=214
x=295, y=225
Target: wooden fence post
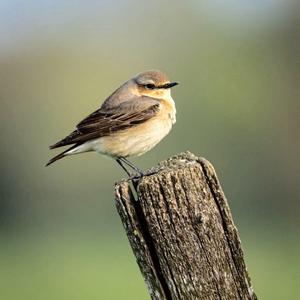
x=181, y=231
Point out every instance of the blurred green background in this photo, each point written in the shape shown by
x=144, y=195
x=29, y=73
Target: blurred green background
x=238, y=106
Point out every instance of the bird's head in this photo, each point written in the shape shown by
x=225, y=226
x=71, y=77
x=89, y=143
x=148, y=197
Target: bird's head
x=153, y=84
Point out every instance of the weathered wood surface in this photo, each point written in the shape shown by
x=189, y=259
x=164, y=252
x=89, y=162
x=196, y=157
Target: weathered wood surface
x=182, y=233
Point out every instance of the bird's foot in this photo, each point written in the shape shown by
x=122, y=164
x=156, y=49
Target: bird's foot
x=136, y=176
x=140, y=174
x=150, y=172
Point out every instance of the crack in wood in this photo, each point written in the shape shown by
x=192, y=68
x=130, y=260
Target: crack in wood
x=152, y=249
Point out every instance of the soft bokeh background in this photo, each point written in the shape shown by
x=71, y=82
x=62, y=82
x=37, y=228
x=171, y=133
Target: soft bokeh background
x=238, y=106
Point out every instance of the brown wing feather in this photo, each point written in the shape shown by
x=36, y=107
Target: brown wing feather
x=104, y=122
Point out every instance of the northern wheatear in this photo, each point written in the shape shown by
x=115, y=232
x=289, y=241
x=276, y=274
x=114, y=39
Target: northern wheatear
x=130, y=122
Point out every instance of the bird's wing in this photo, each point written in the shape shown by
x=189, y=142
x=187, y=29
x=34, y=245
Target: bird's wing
x=104, y=122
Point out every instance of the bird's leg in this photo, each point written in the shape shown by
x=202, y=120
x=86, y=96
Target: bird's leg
x=122, y=160
x=131, y=165
x=118, y=160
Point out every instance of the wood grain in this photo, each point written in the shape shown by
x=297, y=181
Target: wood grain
x=182, y=233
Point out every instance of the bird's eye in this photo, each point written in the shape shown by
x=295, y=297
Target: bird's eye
x=150, y=86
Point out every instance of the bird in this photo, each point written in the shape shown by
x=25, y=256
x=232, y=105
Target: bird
x=130, y=122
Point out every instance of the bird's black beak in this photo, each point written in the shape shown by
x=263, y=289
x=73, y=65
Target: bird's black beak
x=169, y=85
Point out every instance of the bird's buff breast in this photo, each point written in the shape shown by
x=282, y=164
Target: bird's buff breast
x=137, y=140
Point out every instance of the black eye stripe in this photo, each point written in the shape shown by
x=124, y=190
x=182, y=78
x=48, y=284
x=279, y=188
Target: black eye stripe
x=149, y=86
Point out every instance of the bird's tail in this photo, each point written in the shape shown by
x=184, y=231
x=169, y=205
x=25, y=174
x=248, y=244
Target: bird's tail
x=60, y=155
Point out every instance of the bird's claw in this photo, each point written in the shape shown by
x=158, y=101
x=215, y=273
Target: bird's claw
x=140, y=174
x=136, y=176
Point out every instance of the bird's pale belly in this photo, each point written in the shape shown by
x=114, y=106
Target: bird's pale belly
x=136, y=140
